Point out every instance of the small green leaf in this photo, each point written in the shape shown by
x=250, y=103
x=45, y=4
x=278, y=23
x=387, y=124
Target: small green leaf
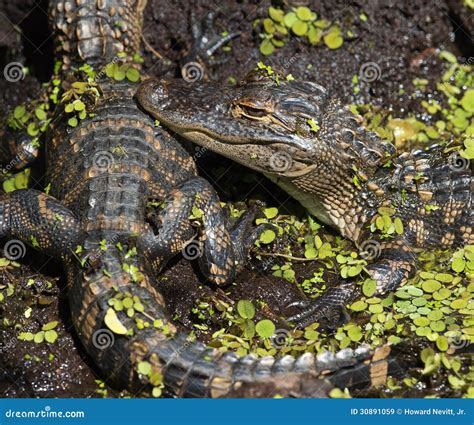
x=437, y=326
x=269, y=26
x=458, y=264
x=249, y=329
x=430, y=285
x=359, y=306
x=267, y=236
x=265, y=328
x=113, y=323
x=156, y=392
x=72, y=122
x=458, y=304
x=467, y=101
x=270, y=212
x=51, y=336
x=376, y=308
x=289, y=19
x=26, y=336
x=398, y=226
x=119, y=74
x=276, y=14
x=40, y=114
x=246, y=309
x=355, y=333
x=19, y=112
x=299, y=27
x=39, y=337
x=448, y=56
x=49, y=326
x=442, y=343
x=311, y=253
x=369, y=287
x=144, y=368
x=314, y=35
x=333, y=40
x=421, y=321
x=304, y=13
x=32, y=129
x=133, y=75
x=79, y=105
x=266, y=47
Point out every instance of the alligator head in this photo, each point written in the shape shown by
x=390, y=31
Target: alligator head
x=291, y=131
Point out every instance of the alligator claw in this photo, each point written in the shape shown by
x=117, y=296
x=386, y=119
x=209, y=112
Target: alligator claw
x=243, y=233
x=299, y=304
x=328, y=308
x=206, y=42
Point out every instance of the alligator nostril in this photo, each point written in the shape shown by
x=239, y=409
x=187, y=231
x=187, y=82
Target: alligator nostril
x=152, y=93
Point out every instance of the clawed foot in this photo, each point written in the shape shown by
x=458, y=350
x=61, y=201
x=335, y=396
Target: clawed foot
x=244, y=233
x=328, y=309
x=206, y=43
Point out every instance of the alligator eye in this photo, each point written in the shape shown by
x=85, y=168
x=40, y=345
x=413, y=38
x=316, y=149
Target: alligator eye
x=253, y=112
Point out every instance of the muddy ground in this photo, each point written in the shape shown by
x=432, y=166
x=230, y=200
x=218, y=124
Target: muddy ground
x=402, y=37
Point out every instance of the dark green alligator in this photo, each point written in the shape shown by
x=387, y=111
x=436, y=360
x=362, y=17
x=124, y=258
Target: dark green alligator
x=317, y=150
x=98, y=219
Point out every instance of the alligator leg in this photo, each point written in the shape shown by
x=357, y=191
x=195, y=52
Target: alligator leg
x=217, y=248
x=39, y=220
x=396, y=263
x=206, y=42
x=17, y=152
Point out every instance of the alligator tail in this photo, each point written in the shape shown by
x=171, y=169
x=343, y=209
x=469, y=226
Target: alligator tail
x=153, y=353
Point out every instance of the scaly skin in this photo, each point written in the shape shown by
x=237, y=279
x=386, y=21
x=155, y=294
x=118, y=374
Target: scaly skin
x=102, y=174
x=340, y=172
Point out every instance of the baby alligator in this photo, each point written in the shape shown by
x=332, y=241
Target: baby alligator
x=103, y=173
x=317, y=150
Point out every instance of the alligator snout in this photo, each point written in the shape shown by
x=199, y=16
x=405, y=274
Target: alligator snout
x=153, y=94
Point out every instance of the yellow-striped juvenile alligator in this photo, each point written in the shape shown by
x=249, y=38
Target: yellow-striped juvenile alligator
x=316, y=149
x=103, y=171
